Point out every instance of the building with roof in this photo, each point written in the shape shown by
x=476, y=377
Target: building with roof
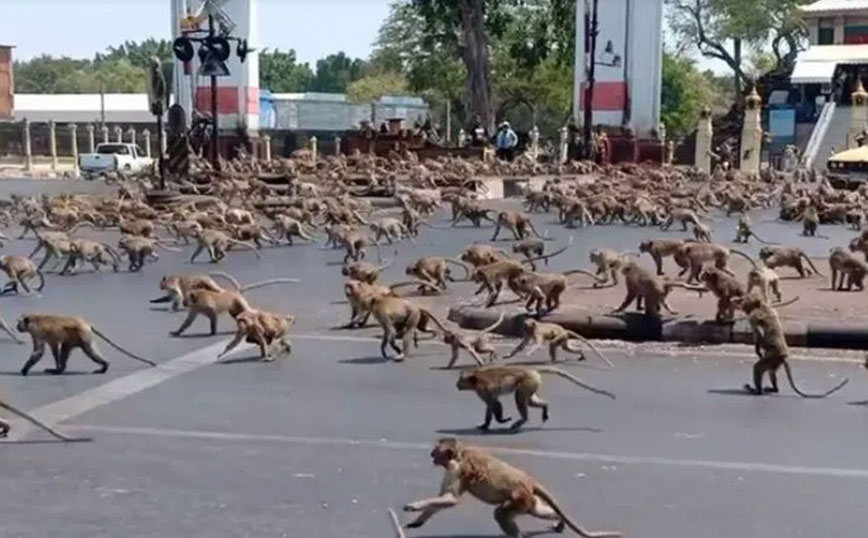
x=7, y=85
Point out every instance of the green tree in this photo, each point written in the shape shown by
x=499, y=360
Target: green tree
x=684, y=92
x=727, y=30
x=336, y=72
x=281, y=72
x=372, y=87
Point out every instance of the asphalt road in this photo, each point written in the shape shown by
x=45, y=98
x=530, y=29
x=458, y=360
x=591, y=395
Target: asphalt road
x=322, y=442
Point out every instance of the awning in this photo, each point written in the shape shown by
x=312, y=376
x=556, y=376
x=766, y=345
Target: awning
x=813, y=72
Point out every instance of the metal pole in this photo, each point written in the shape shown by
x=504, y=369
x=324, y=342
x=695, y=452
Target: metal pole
x=214, y=161
x=160, y=152
x=588, y=150
x=102, y=102
x=448, y=120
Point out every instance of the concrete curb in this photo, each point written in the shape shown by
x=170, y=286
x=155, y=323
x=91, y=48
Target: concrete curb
x=637, y=327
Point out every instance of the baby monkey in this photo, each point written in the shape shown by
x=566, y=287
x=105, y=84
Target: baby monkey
x=540, y=332
x=491, y=382
x=476, y=344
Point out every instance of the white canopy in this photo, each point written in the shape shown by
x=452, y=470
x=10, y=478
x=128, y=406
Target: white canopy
x=807, y=72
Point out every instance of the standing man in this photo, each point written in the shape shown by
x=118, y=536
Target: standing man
x=505, y=141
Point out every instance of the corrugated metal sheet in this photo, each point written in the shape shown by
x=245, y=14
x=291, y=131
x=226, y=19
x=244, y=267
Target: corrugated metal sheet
x=321, y=115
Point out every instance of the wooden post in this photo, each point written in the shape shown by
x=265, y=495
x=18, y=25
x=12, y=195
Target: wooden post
x=119, y=133
x=131, y=132
x=337, y=146
x=28, y=149
x=104, y=130
x=462, y=138
x=313, y=149
x=52, y=144
x=146, y=135
x=73, y=134
x=563, y=145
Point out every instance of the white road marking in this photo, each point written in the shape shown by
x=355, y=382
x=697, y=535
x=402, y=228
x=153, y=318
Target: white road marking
x=117, y=389
x=839, y=472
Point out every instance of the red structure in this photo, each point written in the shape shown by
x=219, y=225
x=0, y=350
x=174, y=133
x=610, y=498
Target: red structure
x=7, y=87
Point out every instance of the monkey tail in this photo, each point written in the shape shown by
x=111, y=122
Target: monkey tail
x=578, y=336
x=493, y=325
x=119, y=348
x=811, y=263
x=434, y=319
x=745, y=256
x=385, y=265
x=79, y=225
x=543, y=494
x=761, y=240
x=536, y=233
x=250, y=246
x=584, y=272
x=165, y=247
x=263, y=283
x=42, y=425
x=786, y=303
x=544, y=256
x=575, y=380
x=415, y=282
x=806, y=395
x=396, y=524
x=359, y=217
x=227, y=276
x=459, y=264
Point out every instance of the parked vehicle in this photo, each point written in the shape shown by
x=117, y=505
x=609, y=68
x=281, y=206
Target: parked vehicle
x=124, y=157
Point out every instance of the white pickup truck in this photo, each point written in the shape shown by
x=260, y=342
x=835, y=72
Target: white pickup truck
x=114, y=156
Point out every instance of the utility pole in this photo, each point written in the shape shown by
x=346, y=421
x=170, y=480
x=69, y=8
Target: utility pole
x=592, y=31
x=215, y=123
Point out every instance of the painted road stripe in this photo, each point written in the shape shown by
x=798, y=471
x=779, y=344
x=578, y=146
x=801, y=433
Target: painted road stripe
x=838, y=472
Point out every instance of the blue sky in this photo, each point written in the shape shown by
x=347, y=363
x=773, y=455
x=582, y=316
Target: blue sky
x=79, y=28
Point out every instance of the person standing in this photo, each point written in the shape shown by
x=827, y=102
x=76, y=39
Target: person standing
x=505, y=142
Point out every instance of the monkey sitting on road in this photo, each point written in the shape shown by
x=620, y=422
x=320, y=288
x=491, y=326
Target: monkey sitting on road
x=63, y=334
x=774, y=257
x=556, y=336
x=19, y=270
x=476, y=344
x=263, y=329
x=491, y=382
x=744, y=231
x=771, y=347
x=495, y=482
x=5, y=426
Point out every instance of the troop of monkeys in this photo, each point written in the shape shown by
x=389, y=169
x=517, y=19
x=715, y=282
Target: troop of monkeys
x=216, y=225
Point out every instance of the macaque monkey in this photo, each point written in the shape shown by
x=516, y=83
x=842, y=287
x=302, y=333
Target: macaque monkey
x=400, y=317
x=390, y=228
x=774, y=257
x=771, y=348
x=263, y=329
x=361, y=295
x=5, y=426
x=608, y=264
x=495, y=482
x=645, y=288
x=56, y=246
x=744, y=231
x=659, y=249
x=139, y=227
x=140, y=249
x=218, y=244
x=530, y=248
x=435, y=270
x=556, y=336
x=476, y=344
x=543, y=288
x=766, y=280
x=286, y=227
x=355, y=241
x=810, y=221
x=364, y=271
x=726, y=288
x=698, y=254
x=177, y=286
x=93, y=252
x=19, y=270
x=209, y=303
x=702, y=233
x=685, y=216
x=519, y=224
x=848, y=267
x=252, y=233
x=491, y=382
x=479, y=255
x=63, y=334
